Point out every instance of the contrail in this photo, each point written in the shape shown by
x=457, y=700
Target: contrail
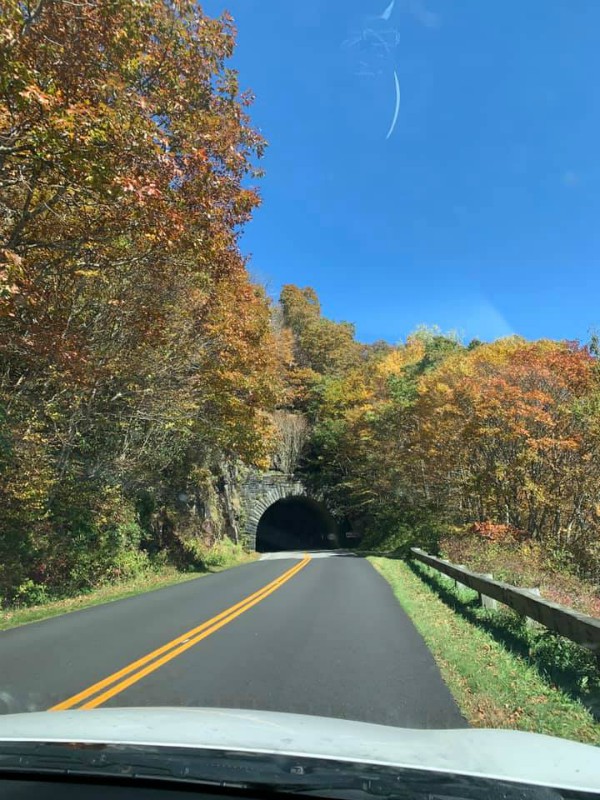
x=397, y=108
x=388, y=12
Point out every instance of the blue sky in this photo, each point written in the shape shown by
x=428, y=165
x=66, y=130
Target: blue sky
x=480, y=212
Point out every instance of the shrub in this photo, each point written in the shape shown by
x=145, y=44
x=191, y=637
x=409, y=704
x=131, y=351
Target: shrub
x=211, y=556
x=527, y=563
x=560, y=658
x=496, y=532
x=128, y=564
x=30, y=593
x=91, y=550
x=396, y=532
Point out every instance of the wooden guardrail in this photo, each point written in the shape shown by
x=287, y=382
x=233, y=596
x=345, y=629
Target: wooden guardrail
x=569, y=623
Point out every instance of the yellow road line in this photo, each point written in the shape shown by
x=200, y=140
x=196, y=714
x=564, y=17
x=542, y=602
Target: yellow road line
x=173, y=648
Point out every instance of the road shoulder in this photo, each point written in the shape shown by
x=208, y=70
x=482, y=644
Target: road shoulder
x=149, y=582
x=493, y=687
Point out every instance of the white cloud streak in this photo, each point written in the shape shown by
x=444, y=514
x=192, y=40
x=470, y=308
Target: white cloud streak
x=396, y=106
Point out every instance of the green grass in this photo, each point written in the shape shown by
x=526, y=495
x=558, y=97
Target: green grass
x=494, y=687
x=148, y=582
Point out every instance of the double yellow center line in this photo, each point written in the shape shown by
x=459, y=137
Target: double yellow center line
x=119, y=681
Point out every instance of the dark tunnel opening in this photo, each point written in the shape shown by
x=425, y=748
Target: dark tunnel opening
x=296, y=523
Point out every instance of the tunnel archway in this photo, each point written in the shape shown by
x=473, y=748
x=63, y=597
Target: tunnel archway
x=296, y=523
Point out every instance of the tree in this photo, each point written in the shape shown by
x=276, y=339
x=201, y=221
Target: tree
x=292, y=436
x=500, y=433
x=323, y=346
x=134, y=346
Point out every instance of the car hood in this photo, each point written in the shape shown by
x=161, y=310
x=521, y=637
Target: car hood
x=504, y=755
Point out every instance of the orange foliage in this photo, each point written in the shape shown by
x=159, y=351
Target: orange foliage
x=496, y=532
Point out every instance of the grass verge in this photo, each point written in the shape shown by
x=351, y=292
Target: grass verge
x=148, y=582
x=494, y=688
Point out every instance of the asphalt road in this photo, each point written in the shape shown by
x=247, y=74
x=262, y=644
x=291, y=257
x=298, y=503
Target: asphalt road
x=326, y=636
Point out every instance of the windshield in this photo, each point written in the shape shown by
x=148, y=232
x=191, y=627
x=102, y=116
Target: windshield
x=299, y=378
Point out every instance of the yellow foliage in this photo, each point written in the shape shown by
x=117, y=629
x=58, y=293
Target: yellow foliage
x=400, y=358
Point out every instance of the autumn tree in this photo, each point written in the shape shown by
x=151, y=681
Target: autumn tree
x=133, y=344
x=504, y=429
x=321, y=345
x=292, y=435
x=505, y=432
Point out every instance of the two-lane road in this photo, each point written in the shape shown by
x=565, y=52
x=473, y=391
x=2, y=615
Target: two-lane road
x=318, y=634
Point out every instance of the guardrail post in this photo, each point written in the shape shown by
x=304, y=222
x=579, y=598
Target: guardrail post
x=457, y=583
x=532, y=623
x=488, y=602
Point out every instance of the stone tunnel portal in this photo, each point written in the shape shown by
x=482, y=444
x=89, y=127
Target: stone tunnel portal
x=296, y=523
